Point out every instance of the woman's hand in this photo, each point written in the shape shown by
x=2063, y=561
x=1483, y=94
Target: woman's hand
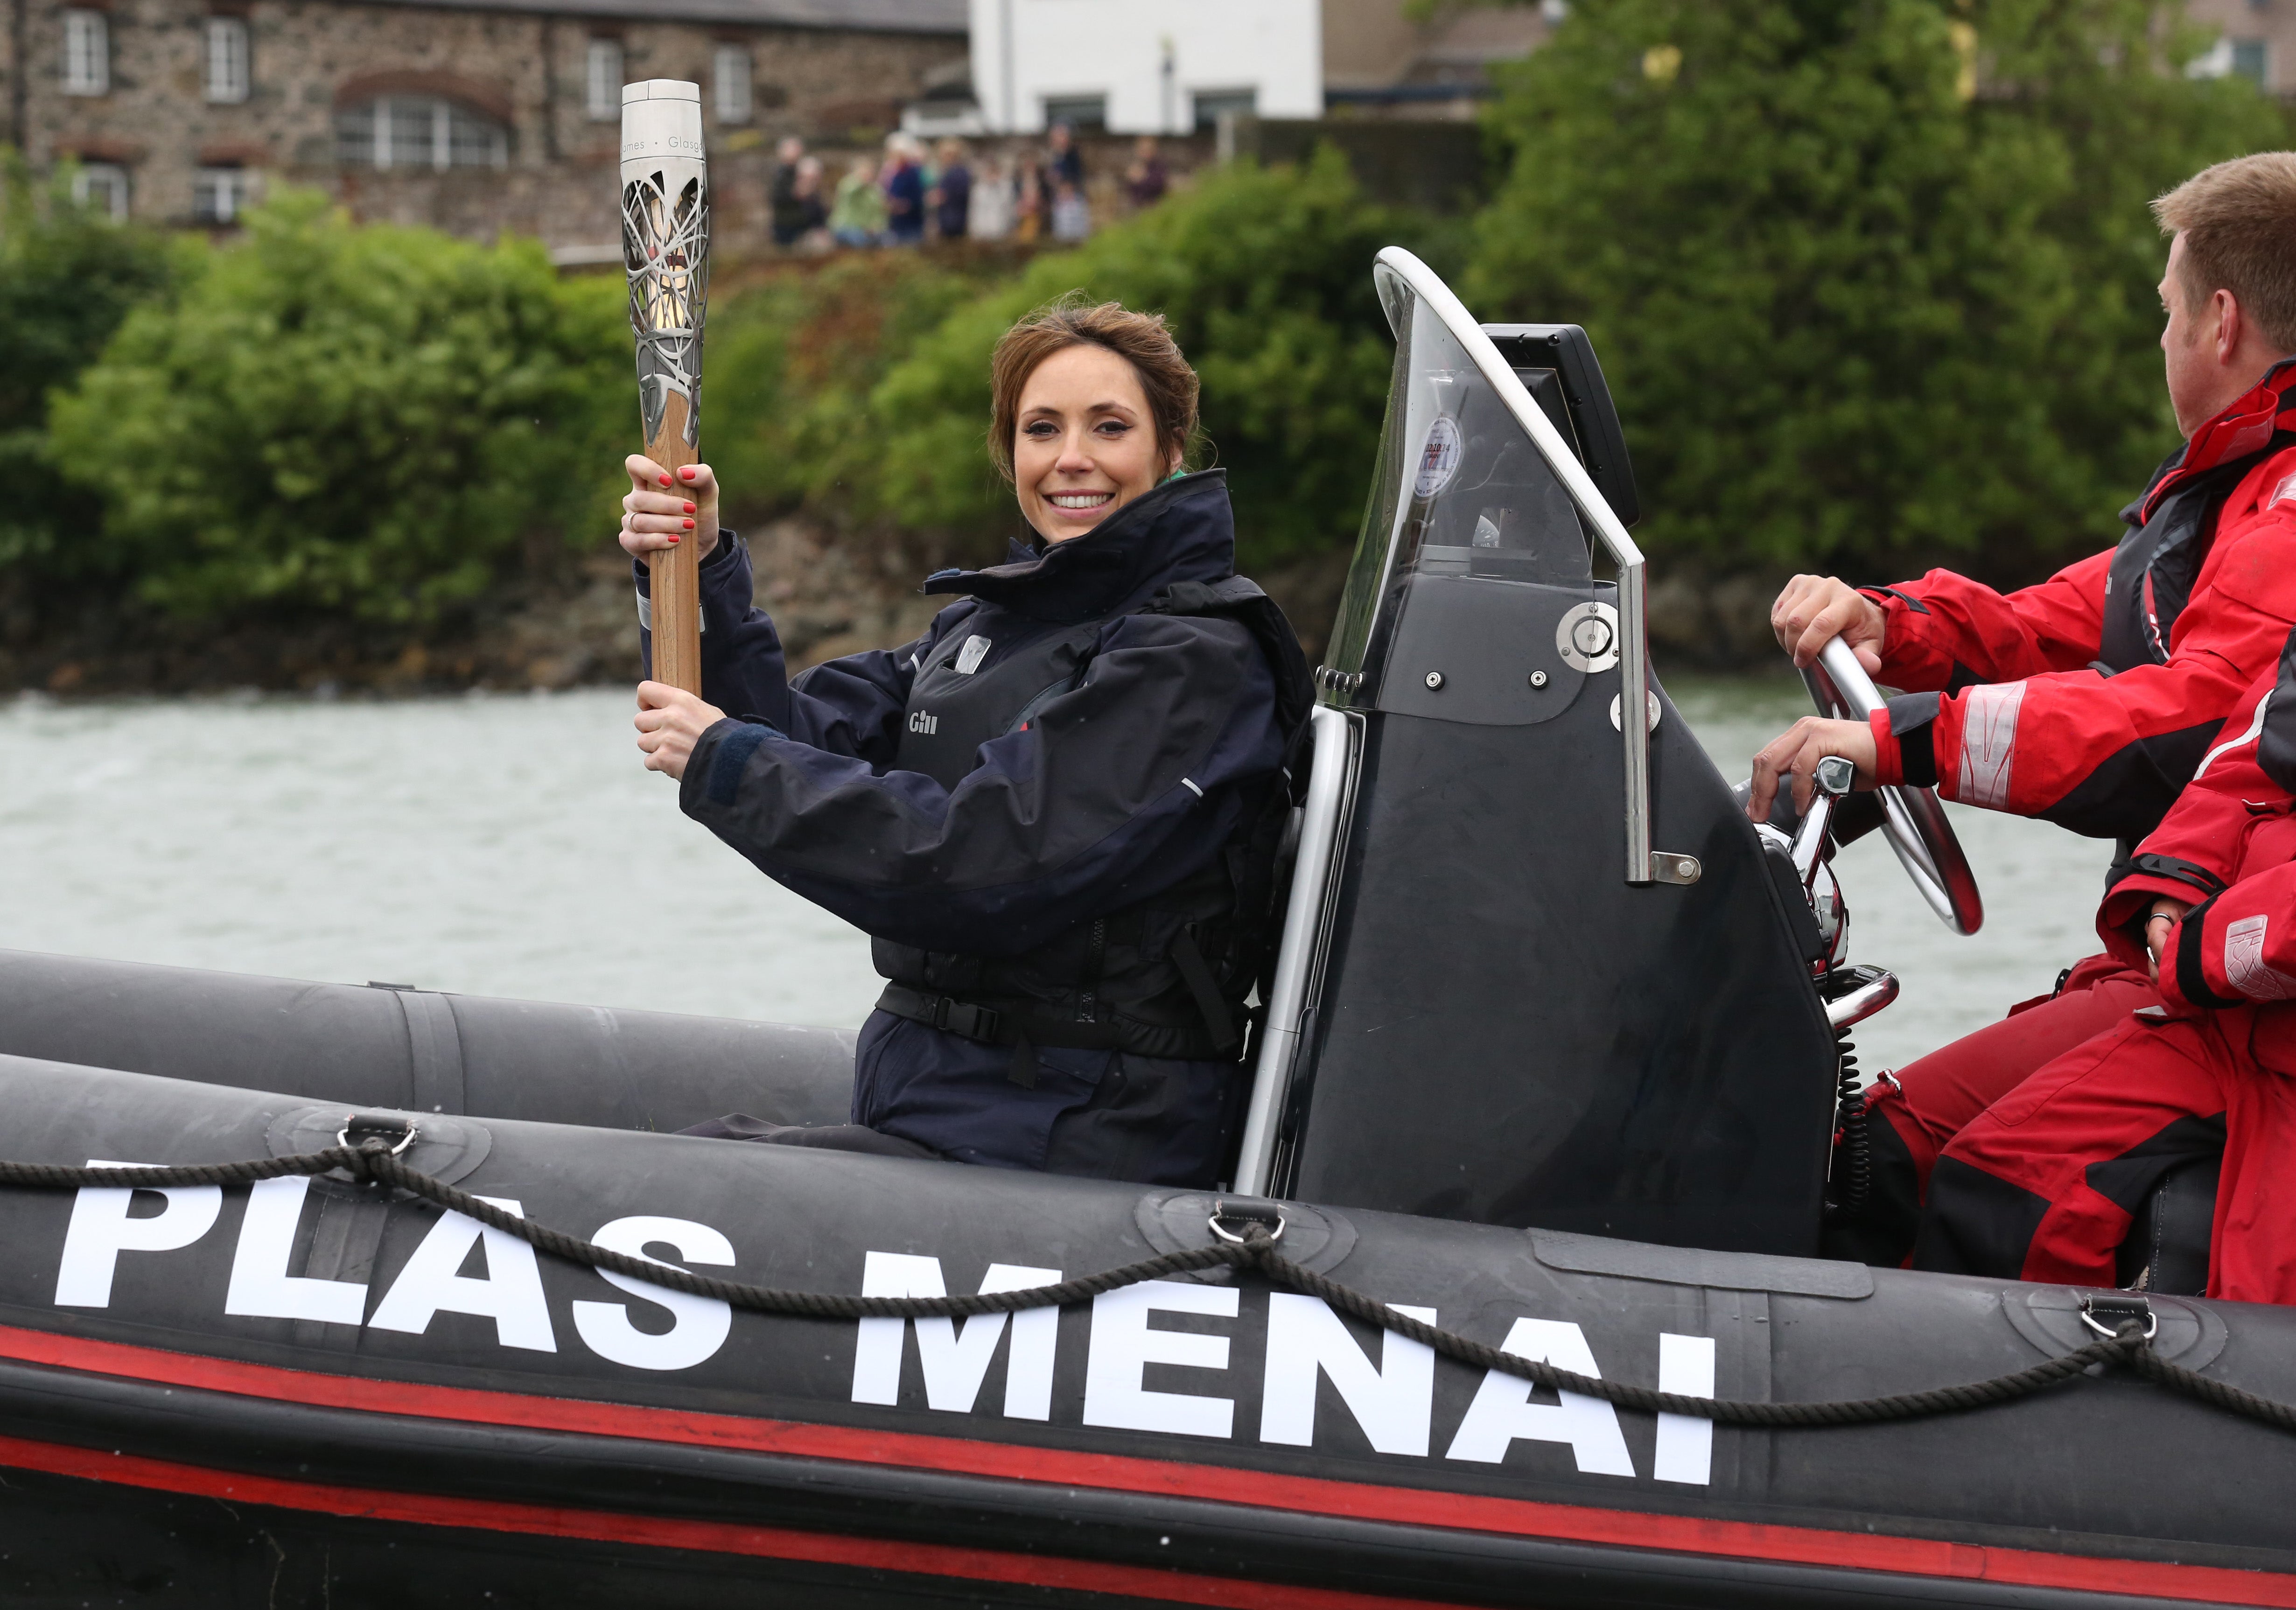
x=1796, y=755
x=2159, y=925
x=664, y=509
x=670, y=722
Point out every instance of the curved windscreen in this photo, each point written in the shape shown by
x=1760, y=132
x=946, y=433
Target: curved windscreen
x=1461, y=490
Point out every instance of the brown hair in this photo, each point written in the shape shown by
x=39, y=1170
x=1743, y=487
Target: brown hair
x=1143, y=340
x=2238, y=219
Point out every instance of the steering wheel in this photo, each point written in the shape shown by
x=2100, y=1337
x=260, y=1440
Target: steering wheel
x=1914, y=819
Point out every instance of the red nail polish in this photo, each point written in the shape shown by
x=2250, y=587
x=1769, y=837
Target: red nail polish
x=687, y=473
x=665, y=481
x=674, y=541
x=689, y=508
x=689, y=525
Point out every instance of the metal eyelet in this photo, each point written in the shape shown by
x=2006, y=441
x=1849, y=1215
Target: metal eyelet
x=1220, y=1211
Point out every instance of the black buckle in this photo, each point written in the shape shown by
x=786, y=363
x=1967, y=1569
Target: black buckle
x=2106, y=1312
x=966, y=1020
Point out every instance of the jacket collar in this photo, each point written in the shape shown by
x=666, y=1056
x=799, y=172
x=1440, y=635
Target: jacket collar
x=1181, y=531
x=2243, y=430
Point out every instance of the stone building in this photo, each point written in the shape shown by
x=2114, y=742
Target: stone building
x=473, y=116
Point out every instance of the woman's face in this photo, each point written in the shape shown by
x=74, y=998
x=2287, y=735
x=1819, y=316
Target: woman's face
x=1083, y=444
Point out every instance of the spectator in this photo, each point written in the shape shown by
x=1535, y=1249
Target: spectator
x=789, y=220
x=1071, y=213
x=858, y=217
x=951, y=196
x=991, y=215
x=905, y=192
x=1029, y=203
x=813, y=212
x=1145, y=181
x=1065, y=160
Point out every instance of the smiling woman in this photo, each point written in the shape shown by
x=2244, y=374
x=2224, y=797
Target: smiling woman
x=1055, y=813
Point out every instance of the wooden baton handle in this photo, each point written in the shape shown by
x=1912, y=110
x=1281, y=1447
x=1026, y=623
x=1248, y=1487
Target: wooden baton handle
x=673, y=578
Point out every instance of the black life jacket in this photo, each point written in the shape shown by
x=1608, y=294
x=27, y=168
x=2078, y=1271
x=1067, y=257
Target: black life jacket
x=2153, y=572
x=1167, y=976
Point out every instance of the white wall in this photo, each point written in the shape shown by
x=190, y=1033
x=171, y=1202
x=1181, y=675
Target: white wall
x=1024, y=51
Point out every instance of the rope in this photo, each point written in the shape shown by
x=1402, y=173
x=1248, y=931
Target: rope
x=1256, y=1251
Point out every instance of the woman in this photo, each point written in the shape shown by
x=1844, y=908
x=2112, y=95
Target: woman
x=1056, y=812
x=857, y=218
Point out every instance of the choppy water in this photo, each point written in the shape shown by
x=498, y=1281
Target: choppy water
x=509, y=844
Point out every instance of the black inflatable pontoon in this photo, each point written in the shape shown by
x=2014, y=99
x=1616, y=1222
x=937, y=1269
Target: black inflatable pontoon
x=1550, y=1061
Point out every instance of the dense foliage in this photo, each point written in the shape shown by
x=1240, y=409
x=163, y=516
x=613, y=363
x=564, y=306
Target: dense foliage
x=362, y=420
x=1865, y=275
x=1264, y=276
x=67, y=279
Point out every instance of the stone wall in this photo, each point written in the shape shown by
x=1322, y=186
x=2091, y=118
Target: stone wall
x=521, y=71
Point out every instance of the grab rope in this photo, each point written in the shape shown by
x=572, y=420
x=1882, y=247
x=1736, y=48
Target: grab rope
x=1252, y=1248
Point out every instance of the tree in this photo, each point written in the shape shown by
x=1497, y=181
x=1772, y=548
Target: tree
x=68, y=277
x=1868, y=277
x=366, y=421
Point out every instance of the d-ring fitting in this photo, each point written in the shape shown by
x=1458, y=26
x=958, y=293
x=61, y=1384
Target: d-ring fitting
x=1260, y=1216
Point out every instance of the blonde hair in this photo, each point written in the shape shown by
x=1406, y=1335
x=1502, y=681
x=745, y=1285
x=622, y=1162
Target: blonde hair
x=2238, y=221
x=1143, y=340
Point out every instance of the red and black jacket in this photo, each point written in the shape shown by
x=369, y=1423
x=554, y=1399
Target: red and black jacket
x=2089, y=698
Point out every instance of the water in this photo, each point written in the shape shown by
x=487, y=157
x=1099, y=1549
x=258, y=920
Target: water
x=510, y=844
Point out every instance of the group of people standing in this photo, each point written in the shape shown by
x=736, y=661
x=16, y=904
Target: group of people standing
x=911, y=195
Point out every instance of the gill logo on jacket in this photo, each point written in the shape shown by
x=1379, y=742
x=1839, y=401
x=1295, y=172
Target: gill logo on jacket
x=920, y=721
x=1387, y=1390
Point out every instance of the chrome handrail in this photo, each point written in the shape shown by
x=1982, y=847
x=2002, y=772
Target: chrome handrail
x=1633, y=662
x=1303, y=928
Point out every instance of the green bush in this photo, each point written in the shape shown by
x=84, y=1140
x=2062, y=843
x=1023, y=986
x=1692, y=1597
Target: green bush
x=1864, y=277
x=791, y=357
x=67, y=279
x=363, y=419
x=1266, y=277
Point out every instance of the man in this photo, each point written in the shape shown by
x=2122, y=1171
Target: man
x=2043, y=1185
x=903, y=186
x=791, y=216
x=950, y=199
x=2088, y=700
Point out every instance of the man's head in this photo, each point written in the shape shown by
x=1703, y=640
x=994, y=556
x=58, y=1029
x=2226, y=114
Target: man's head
x=2230, y=289
x=790, y=150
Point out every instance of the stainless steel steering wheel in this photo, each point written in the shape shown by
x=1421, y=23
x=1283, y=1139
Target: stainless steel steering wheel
x=1913, y=818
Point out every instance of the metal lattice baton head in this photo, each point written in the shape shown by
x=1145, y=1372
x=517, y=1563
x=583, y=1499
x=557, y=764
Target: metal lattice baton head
x=666, y=251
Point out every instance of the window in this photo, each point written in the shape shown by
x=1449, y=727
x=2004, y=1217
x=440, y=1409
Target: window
x=2249, y=61
x=418, y=131
x=601, y=80
x=1213, y=104
x=731, y=74
x=88, y=53
x=220, y=194
x=226, y=59
x=102, y=187
x=1080, y=113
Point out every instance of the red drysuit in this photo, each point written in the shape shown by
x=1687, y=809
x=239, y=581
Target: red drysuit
x=2042, y=1184
x=2087, y=701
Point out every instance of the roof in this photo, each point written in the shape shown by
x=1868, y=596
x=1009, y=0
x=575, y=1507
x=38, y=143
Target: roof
x=871, y=16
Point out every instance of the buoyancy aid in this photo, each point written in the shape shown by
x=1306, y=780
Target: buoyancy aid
x=1165, y=977
x=2174, y=522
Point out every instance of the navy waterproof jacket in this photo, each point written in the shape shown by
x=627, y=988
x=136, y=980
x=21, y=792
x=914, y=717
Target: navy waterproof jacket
x=1117, y=789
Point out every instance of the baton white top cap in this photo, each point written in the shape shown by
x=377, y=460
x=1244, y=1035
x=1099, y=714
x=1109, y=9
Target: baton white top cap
x=662, y=89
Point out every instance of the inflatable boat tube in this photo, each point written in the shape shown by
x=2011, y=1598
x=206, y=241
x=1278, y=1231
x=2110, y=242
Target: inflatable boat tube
x=303, y=1392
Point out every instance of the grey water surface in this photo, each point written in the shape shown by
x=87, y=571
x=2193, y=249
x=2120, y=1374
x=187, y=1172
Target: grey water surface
x=510, y=844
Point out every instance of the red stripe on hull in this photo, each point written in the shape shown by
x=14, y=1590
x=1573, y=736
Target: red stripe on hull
x=1119, y=1473
x=710, y=1537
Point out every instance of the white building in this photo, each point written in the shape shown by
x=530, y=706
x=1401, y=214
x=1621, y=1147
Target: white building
x=1145, y=66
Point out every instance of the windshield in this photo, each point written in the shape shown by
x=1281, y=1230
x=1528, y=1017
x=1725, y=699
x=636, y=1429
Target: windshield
x=1461, y=490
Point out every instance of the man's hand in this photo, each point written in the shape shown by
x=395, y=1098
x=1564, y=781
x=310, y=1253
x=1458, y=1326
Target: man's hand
x=1815, y=610
x=663, y=510
x=670, y=722
x=1796, y=755
x=2159, y=925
